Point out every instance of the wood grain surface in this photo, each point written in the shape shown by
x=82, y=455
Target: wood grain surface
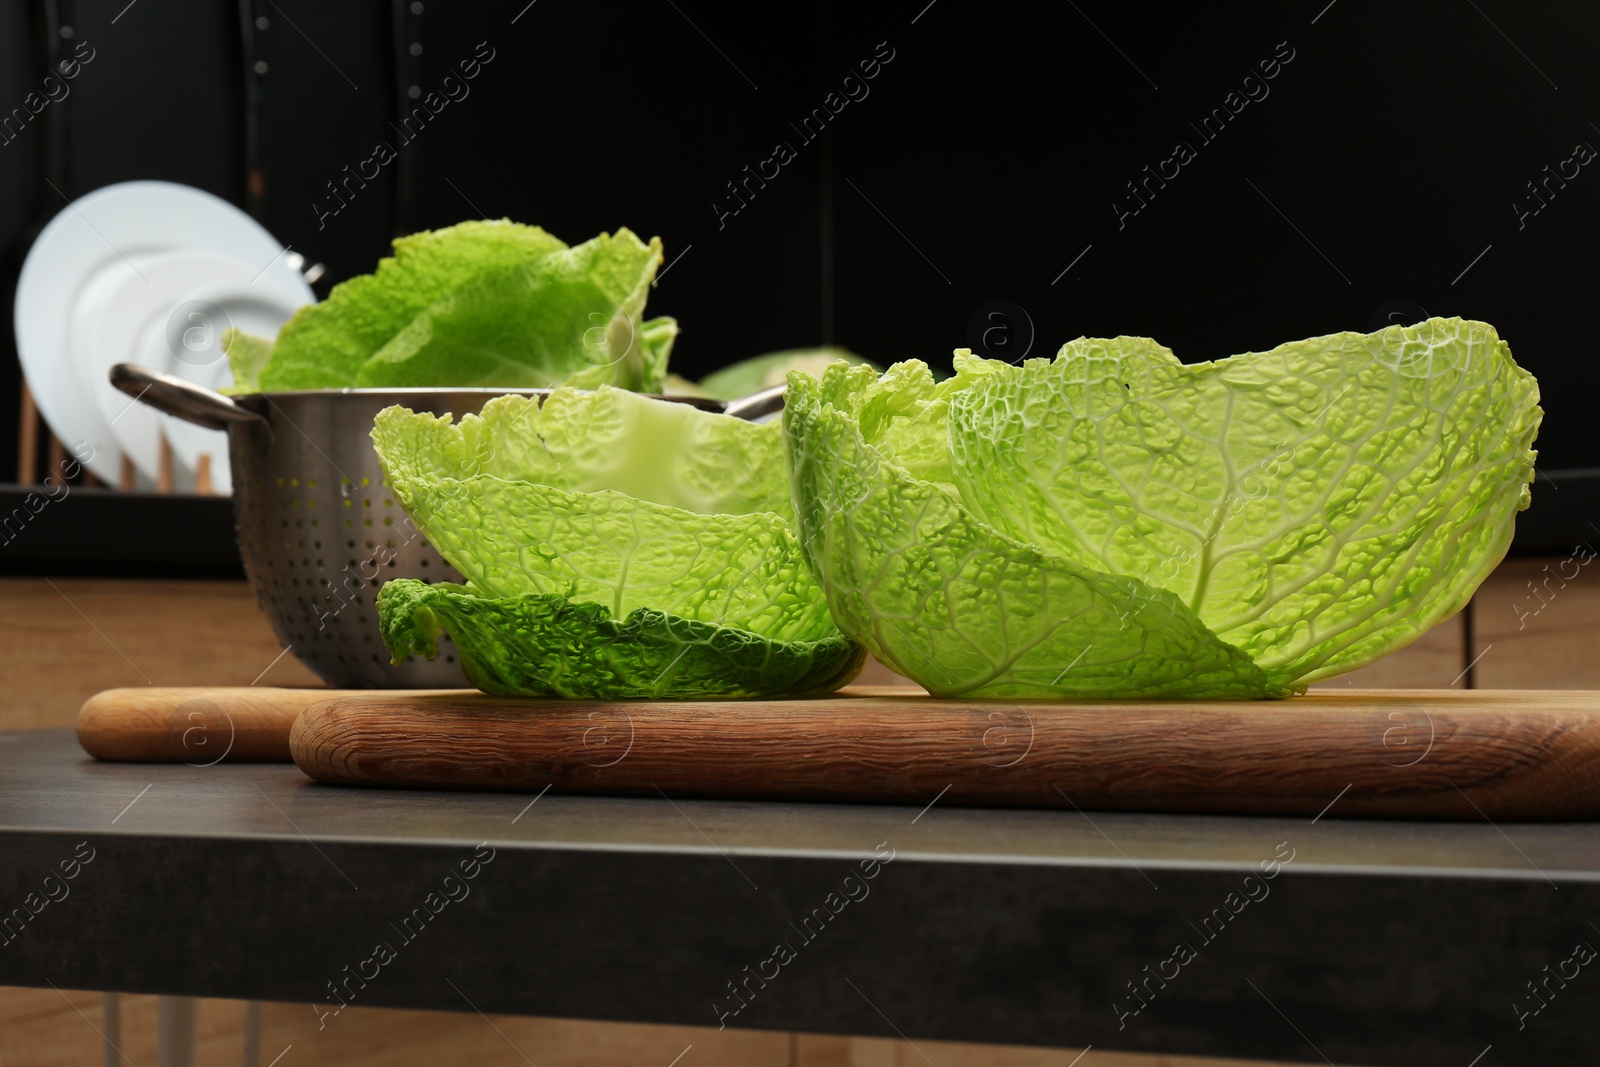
x=1436, y=754
x=198, y=725
x=50, y=1028
x=66, y=639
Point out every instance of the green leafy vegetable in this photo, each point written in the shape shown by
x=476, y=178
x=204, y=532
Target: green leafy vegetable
x=570, y=316
x=654, y=340
x=1114, y=523
x=247, y=354
x=600, y=533
x=478, y=304
x=550, y=646
x=325, y=345
x=587, y=442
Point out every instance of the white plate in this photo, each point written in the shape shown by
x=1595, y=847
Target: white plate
x=90, y=249
x=170, y=317
x=258, y=308
x=124, y=317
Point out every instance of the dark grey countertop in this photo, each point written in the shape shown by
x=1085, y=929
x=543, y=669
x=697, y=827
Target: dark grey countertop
x=1381, y=943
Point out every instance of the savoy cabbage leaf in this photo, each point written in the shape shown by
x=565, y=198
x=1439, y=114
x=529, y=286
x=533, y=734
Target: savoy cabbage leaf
x=614, y=545
x=543, y=645
x=479, y=304
x=1300, y=512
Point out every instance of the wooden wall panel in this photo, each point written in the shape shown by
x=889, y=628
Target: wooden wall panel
x=66, y=639
x=44, y=1028
x=47, y=1028
x=1537, y=628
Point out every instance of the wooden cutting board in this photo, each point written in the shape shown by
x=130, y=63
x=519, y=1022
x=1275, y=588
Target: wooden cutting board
x=1433, y=754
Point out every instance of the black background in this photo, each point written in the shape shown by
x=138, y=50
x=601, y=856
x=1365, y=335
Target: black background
x=985, y=158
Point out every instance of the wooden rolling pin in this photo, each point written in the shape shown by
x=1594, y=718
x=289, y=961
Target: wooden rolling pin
x=1383, y=753
x=198, y=726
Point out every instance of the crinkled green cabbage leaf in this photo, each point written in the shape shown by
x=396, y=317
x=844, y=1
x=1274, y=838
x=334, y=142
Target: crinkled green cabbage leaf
x=1113, y=523
x=571, y=316
x=550, y=646
x=599, y=530
x=586, y=442
x=478, y=304
x=247, y=355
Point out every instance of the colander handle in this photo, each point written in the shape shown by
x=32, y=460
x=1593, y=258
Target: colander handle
x=181, y=399
x=756, y=404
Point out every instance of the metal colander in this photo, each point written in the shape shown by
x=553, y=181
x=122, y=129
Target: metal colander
x=318, y=528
